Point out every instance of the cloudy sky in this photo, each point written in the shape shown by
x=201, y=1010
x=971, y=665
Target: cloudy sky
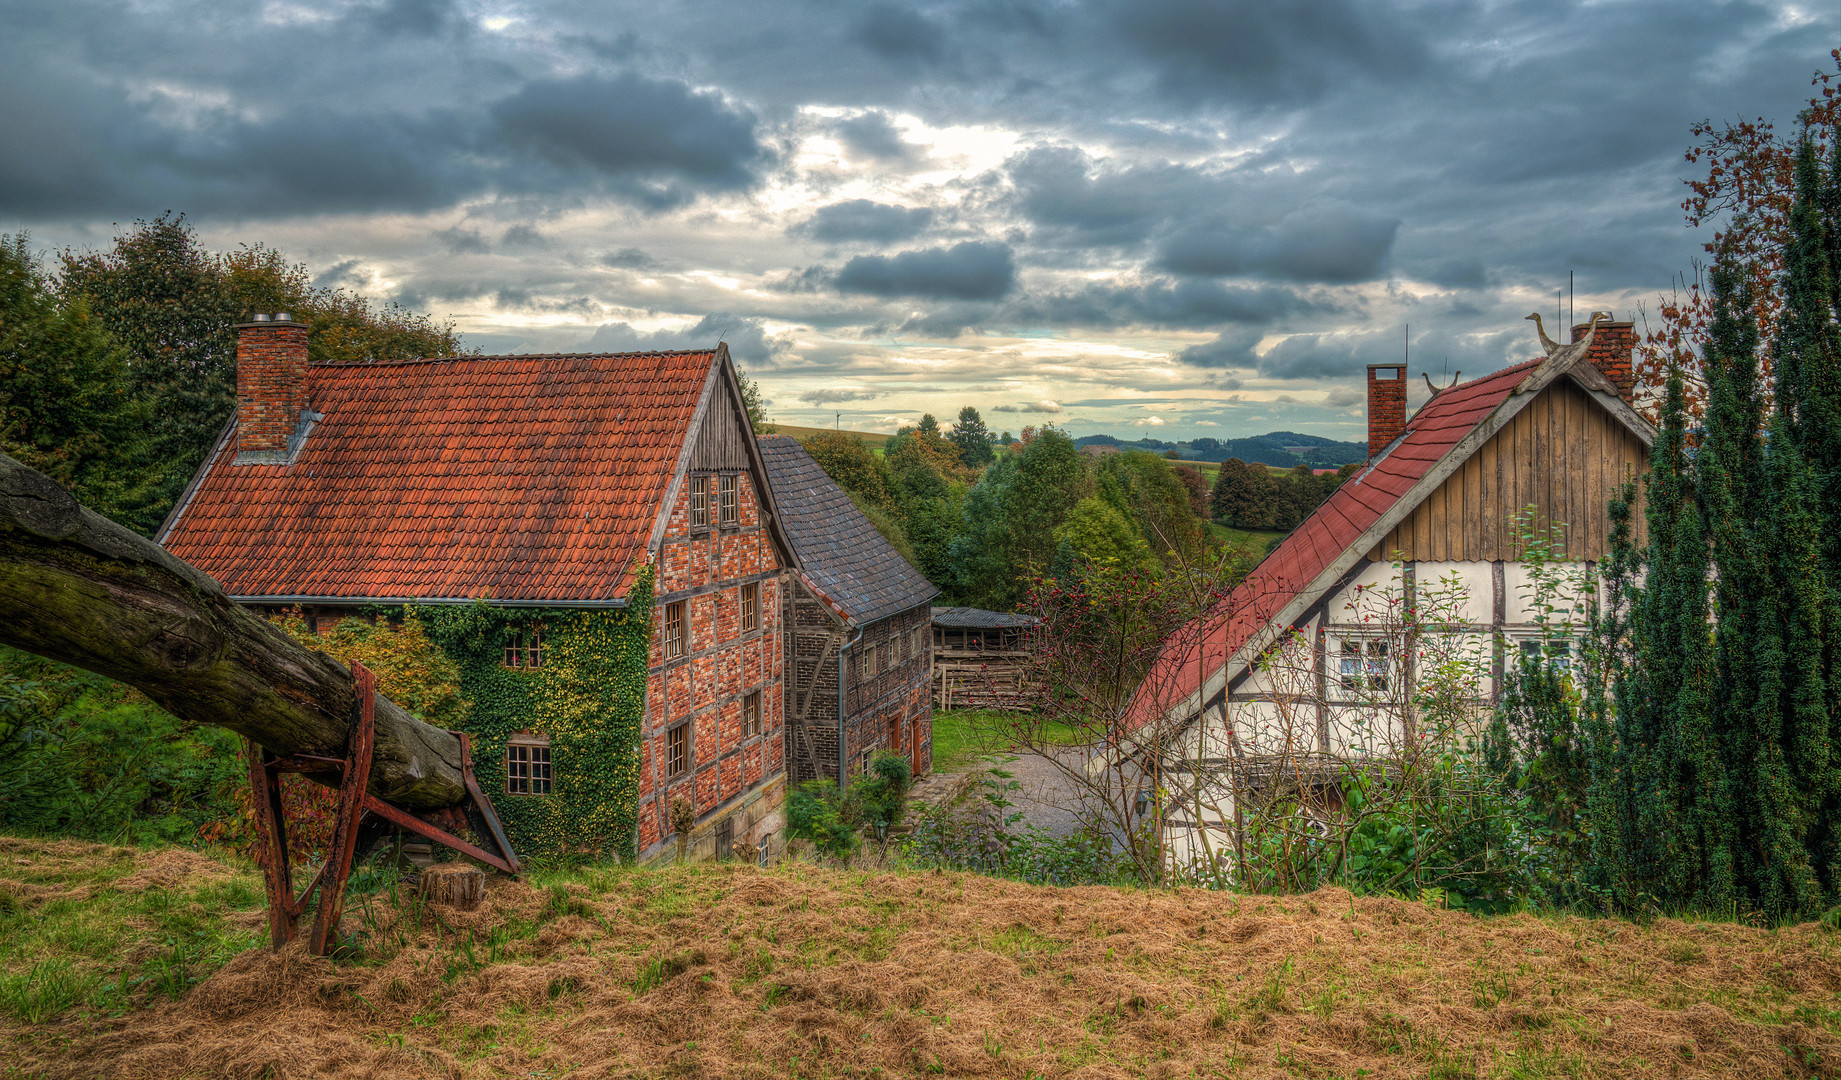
x=1169, y=217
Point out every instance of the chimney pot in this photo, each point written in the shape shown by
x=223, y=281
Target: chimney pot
x=1386, y=405
x=259, y=318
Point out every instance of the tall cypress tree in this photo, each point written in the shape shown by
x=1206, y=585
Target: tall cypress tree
x=1674, y=846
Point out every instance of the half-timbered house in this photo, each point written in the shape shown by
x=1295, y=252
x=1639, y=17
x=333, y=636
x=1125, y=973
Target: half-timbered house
x=603, y=521
x=858, y=640
x=1302, y=661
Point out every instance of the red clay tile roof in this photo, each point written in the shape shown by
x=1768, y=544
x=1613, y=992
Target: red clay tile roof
x=1303, y=555
x=511, y=478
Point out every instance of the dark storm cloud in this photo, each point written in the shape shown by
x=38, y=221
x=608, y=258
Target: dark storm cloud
x=973, y=270
x=655, y=140
x=112, y=134
x=901, y=35
x=872, y=135
x=1230, y=349
x=1062, y=189
x=1334, y=244
x=339, y=275
x=1253, y=52
x=1182, y=304
x=629, y=258
x=861, y=219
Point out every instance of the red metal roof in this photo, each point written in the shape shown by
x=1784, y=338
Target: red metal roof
x=1191, y=658
x=512, y=478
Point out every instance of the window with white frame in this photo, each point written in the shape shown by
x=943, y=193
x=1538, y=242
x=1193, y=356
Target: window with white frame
x=527, y=765
x=1363, y=664
x=1557, y=654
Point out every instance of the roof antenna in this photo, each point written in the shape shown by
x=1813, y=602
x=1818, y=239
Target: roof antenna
x=1572, y=312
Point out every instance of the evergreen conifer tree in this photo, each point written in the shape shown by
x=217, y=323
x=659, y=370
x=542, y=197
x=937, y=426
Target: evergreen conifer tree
x=1671, y=848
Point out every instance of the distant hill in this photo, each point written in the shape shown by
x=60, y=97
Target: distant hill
x=1281, y=448
x=872, y=438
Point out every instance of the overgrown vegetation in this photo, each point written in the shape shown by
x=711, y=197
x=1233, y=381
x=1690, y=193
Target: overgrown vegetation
x=725, y=969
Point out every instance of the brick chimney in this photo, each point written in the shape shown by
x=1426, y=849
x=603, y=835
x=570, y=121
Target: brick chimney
x=1610, y=353
x=1386, y=405
x=271, y=387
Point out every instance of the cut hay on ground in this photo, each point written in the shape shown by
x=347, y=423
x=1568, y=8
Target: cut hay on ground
x=727, y=971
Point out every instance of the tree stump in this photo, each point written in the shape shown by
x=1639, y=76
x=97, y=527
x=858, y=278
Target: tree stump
x=454, y=885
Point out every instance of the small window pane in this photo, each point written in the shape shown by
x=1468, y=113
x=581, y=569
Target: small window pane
x=729, y=506
x=699, y=502
x=751, y=715
x=751, y=607
x=527, y=769
x=533, y=651
x=674, y=630
x=677, y=750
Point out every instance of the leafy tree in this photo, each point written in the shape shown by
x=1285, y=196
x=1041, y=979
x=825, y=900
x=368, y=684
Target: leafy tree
x=65, y=404
x=1011, y=516
x=848, y=461
x=1152, y=495
x=751, y=400
x=1749, y=189
x=173, y=305
x=1096, y=532
x=928, y=424
x=972, y=438
x=929, y=505
x=1243, y=495
x=928, y=446
x=164, y=298
x=1196, y=485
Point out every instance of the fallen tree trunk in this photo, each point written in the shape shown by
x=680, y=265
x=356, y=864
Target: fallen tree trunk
x=78, y=588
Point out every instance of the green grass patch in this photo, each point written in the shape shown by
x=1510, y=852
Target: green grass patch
x=964, y=738
x=1259, y=541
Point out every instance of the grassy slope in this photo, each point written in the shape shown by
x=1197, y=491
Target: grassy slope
x=872, y=439
x=725, y=970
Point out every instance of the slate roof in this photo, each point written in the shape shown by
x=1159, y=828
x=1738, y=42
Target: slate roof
x=1291, y=567
x=513, y=478
x=971, y=618
x=837, y=547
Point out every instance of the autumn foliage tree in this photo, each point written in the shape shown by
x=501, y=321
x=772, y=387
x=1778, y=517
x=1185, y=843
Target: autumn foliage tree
x=1747, y=192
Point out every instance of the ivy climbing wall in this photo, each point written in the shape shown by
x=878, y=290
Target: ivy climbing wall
x=588, y=697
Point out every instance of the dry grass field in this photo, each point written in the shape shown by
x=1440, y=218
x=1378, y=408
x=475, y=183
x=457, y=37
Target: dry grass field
x=726, y=970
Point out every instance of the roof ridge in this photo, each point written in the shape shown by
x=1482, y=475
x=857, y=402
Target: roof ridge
x=510, y=356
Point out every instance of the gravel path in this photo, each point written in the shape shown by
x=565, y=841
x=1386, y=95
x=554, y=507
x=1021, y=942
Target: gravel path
x=1045, y=792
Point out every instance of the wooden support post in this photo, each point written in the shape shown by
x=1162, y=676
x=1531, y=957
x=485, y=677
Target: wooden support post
x=350, y=812
x=271, y=842
x=354, y=802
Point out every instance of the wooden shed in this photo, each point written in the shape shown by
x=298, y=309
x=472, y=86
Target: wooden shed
x=980, y=658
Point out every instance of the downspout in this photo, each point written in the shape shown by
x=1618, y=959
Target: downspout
x=841, y=773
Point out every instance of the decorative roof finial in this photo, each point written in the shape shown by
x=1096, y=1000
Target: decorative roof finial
x=1547, y=343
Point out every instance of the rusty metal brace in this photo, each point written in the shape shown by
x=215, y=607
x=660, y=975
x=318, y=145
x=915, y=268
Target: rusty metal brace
x=354, y=802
